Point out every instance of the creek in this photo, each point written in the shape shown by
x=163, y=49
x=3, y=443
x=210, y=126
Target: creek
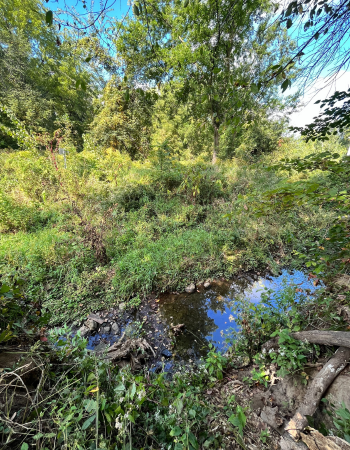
x=207, y=314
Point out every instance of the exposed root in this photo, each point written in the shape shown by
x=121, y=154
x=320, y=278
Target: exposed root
x=293, y=437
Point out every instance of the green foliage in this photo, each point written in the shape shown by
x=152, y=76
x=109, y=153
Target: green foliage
x=238, y=419
x=18, y=316
x=90, y=402
x=215, y=362
x=342, y=422
x=123, y=119
x=258, y=377
x=161, y=228
x=39, y=66
x=206, y=82
x=291, y=355
x=264, y=435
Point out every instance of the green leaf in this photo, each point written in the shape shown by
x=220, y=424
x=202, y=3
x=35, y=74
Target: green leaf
x=49, y=18
x=175, y=431
x=131, y=418
x=88, y=422
x=285, y=85
x=120, y=387
x=179, y=405
x=193, y=440
x=186, y=2
x=136, y=10
x=4, y=288
x=24, y=446
x=254, y=88
x=289, y=23
x=133, y=391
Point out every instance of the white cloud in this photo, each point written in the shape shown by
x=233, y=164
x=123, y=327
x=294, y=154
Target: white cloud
x=319, y=91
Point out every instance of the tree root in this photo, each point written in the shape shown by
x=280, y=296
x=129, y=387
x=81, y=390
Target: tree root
x=293, y=437
x=316, y=390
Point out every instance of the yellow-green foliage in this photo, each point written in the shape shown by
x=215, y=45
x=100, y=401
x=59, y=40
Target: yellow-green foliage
x=161, y=227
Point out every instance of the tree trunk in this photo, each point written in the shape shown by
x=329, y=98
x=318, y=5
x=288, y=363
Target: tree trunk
x=216, y=143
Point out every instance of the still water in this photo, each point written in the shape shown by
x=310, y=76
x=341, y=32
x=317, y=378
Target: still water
x=207, y=314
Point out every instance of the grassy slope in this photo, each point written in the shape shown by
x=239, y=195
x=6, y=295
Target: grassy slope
x=157, y=234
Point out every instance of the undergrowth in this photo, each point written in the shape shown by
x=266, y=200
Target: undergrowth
x=107, y=228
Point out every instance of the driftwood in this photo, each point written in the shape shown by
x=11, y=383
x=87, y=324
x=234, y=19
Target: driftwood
x=314, y=440
x=338, y=338
x=130, y=351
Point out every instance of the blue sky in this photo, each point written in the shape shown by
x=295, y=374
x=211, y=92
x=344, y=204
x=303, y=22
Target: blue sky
x=119, y=7
x=314, y=92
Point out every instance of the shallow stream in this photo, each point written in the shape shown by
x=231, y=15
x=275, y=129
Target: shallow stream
x=207, y=314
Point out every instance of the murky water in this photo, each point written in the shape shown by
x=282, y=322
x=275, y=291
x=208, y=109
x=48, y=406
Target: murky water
x=208, y=314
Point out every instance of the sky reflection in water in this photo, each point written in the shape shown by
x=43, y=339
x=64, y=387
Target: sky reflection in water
x=207, y=314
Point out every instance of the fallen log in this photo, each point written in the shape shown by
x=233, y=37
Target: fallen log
x=337, y=338
x=314, y=440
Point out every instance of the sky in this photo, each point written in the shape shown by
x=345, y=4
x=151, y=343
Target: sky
x=307, y=110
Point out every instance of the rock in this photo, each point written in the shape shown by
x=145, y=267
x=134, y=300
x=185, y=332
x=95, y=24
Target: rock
x=84, y=330
x=249, y=278
x=190, y=288
x=207, y=284
x=96, y=318
x=101, y=347
x=115, y=328
x=272, y=417
x=91, y=324
x=157, y=368
x=122, y=306
x=106, y=328
x=166, y=353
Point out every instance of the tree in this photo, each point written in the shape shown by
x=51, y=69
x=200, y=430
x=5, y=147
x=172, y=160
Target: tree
x=123, y=119
x=41, y=72
x=211, y=53
x=322, y=27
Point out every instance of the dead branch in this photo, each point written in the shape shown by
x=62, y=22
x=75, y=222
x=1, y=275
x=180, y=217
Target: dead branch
x=337, y=338
x=316, y=390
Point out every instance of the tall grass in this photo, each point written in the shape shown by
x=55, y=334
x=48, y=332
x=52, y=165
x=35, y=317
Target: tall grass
x=161, y=228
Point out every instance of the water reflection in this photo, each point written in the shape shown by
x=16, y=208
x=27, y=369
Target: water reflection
x=208, y=314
